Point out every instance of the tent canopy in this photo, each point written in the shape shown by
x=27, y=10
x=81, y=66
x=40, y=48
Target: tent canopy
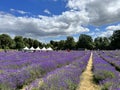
x=26, y=48
x=44, y=49
x=32, y=48
x=50, y=49
x=37, y=48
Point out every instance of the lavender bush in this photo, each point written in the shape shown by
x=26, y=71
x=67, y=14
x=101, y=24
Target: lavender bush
x=64, y=78
x=105, y=74
x=21, y=68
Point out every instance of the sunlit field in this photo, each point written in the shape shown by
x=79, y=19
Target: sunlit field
x=57, y=70
x=59, y=44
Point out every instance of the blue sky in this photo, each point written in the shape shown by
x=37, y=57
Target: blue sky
x=35, y=7
x=47, y=20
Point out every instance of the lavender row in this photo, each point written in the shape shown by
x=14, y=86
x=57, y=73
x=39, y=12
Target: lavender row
x=19, y=60
x=12, y=79
x=16, y=60
x=64, y=78
x=105, y=74
x=113, y=57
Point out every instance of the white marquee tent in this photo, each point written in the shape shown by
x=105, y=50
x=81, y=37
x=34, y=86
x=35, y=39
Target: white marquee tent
x=43, y=49
x=37, y=49
x=26, y=48
x=49, y=49
x=32, y=49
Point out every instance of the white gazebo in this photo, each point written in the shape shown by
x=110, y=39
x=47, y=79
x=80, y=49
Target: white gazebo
x=37, y=49
x=26, y=48
x=43, y=49
x=49, y=49
x=32, y=49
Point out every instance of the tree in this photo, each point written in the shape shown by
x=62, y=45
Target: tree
x=48, y=45
x=115, y=40
x=101, y=43
x=106, y=43
x=30, y=42
x=54, y=44
x=85, y=41
x=40, y=45
x=70, y=43
x=26, y=42
x=35, y=43
x=5, y=41
x=61, y=45
x=19, y=42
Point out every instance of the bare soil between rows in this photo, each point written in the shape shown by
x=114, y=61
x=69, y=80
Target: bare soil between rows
x=86, y=78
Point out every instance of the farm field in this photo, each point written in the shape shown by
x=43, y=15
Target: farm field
x=60, y=70
x=59, y=44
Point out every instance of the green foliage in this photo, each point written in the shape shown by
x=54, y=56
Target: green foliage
x=61, y=45
x=35, y=43
x=5, y=86
x=54, y=44
x=101, y=43
x=48, y=45
x=70, y=43
x=35, y=72
x=19, y=42
x=106, y=86
x=115, y=40
x=26, y=42
x=64, y=44
x=71, y=85
x=5, y=41
x=85, y=41
x=102, y=75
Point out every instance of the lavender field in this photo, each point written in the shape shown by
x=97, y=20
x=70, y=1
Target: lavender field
x=57, y=70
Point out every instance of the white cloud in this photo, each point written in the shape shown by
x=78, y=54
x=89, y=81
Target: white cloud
x=76, y=39
x=113, y=27
x=69, y=23
x=99, y=12
x=47, y=11
x=105, y=33
x=97, y=29
x=74, y=21
x=19, y=11
x=101, y=34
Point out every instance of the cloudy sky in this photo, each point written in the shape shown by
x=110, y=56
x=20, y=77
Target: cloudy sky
x=47, y=20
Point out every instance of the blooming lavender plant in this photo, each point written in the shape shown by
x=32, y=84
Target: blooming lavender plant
x=64, y=78
x=21, y=68
x=105, y=74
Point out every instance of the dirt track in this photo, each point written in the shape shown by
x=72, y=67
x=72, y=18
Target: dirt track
x=87, y=78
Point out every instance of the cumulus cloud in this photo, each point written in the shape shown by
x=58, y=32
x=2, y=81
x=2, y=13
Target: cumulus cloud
x=80, y=14
x=19, y=11
x=76, y=38
x=99, y=12
x=113, y=27
x=47, y=11
x=105, y=33
x=101, y=34
x=43, y=26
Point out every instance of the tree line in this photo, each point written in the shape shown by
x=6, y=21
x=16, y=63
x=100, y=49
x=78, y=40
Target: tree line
x=87, y=42
x=84, y=42
x=6, y=42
